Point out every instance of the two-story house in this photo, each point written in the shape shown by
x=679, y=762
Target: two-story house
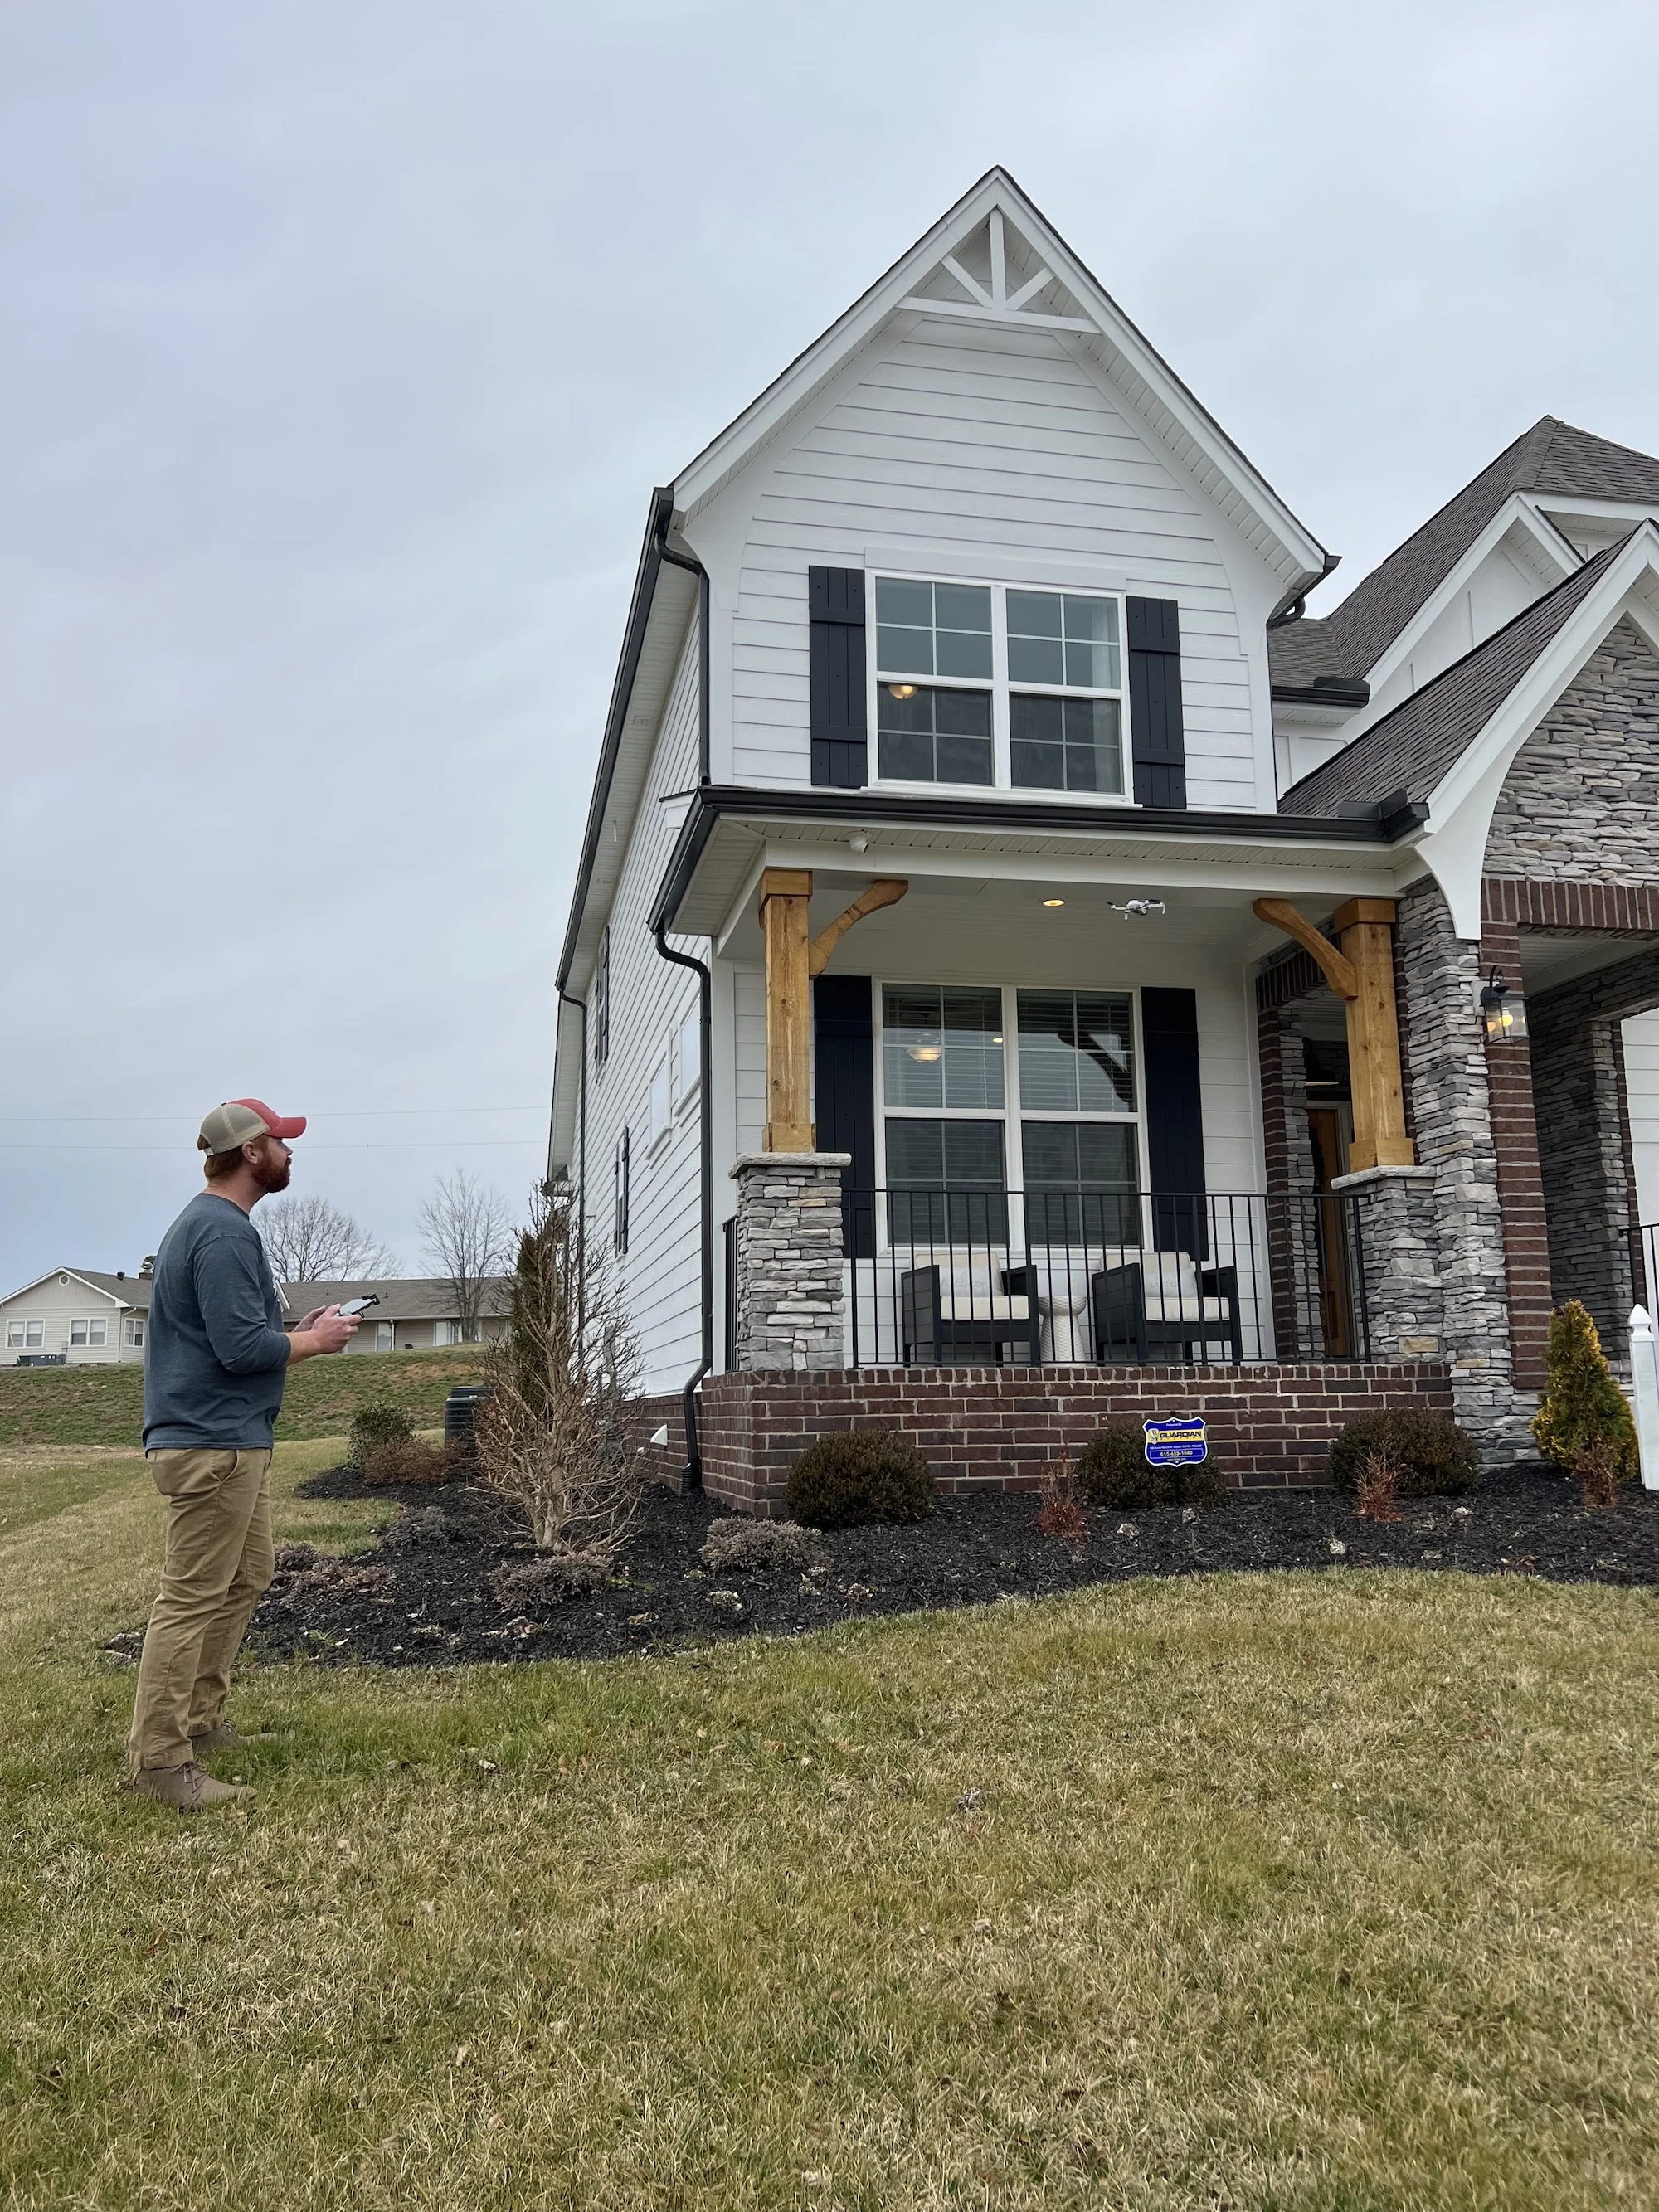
x=1022, y=966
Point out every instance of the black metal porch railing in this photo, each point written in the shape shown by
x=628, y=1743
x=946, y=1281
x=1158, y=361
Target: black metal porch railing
x=1642, y=1246
x=984, y=1277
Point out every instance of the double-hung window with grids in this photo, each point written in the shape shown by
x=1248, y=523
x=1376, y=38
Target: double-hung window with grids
x=960, y=1110
x=993, y=685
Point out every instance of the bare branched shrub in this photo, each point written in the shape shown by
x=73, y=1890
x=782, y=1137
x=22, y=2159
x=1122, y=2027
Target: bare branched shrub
x=411, y=1461
x=551, y=1580
x=552, y=1435
x=1598, y=1466
x=1061, y=1513
x=1378, y=1498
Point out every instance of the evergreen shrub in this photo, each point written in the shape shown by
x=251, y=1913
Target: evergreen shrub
x=1112, y=1470
x=1433, y=1457
x=856, y=1476
x=372, y=1426
x=1582, y=1406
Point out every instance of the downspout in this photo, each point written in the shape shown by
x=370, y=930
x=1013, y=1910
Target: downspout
x=692, y=1475
x=581, y=1005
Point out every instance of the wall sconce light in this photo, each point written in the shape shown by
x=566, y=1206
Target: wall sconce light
x=1503, y=1014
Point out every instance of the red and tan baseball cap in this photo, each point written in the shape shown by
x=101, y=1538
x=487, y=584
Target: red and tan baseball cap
x=240, y=1120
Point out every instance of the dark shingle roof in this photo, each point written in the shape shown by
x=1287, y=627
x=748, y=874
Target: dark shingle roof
x=1411, y=749
x=1551, y=456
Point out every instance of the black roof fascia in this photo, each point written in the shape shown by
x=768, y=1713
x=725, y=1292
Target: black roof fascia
x=1338, y=691
x=638, y=614
x=859, y=808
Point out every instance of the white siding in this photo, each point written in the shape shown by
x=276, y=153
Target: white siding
x=1641, y=1085
x=55, y=1304
x=649, y=998
x=994, y=442
x=1498, y=591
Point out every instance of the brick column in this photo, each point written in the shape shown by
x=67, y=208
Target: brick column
x=1575, y=1062
x=1520, y=1178
x=790, y=1302
x=1451, y=1109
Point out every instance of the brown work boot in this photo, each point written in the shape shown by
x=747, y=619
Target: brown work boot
x=225, y=1736
x=187, y=1788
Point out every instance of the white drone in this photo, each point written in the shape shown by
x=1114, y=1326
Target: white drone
x=1137, y=909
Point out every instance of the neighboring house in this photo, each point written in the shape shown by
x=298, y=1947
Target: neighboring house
x=76, y=1317
x=1012, y=934
x=411, y=1316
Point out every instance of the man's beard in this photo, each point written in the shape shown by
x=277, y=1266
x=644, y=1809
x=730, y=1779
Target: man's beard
x=270, y=1173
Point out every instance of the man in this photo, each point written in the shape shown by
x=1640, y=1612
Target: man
x=213, y=1371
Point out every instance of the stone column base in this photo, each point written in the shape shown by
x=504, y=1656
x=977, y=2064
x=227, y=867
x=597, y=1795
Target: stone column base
x=791, y=1307
x=1398, y=1260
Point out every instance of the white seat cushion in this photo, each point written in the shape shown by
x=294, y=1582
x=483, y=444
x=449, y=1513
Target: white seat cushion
x=980, y=1305
x=1174, y=1309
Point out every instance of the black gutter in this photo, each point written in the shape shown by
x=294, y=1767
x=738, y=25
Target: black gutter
x=1325, y=691
x=639, y=615
x=865, y=809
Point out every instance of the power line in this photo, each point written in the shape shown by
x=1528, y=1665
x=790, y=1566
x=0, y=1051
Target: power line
x=396, y=1145
x=322, y=1113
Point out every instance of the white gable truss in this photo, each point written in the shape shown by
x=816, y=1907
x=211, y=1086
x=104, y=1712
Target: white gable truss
x=1462, y=806
x=995, y=259
x=55, y=1274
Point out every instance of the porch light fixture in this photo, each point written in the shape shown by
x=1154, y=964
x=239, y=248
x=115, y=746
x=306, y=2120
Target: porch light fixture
x=924, y=1052
x=1502, y=1017
x=900, y=690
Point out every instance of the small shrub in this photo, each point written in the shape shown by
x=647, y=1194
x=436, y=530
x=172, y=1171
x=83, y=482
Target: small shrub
x=372, y=1425
x=1112, y=1471
x=1432, y=1456
x=737, y=1546
x=289, y=1558
x=411, y=1461
x=552, y=1580
x=1582, y=1406
x=860, y=1476
x=1379, y=1489
x=1598, y=1472
x=1061, y=1511
x=422, y=1529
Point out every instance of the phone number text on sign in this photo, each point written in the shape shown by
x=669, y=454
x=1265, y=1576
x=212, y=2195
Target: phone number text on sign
x=1181, y=1442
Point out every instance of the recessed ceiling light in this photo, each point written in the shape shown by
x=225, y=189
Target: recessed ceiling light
x=1053, y=901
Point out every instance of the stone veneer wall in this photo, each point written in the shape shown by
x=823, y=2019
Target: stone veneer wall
x=1445, y=1072
x=1582, y=796
x=998, y=1428
x=790, y=1304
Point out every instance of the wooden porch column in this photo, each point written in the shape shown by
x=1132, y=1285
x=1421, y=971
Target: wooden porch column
x=1364, y=927
x=1362, y=975
x=784, y=896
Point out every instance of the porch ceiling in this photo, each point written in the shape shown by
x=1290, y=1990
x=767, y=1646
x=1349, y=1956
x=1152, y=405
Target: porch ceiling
x=1551, y=957
x=722, y=849
x=999, y=927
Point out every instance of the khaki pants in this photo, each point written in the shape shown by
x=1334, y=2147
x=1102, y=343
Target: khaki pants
x=217, y=1561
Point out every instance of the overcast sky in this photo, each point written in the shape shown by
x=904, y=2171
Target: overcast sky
x=345, y=341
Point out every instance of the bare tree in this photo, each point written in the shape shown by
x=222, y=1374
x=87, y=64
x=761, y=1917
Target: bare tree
x=310, y=1241
x=553, y=1433
x=467, y=1233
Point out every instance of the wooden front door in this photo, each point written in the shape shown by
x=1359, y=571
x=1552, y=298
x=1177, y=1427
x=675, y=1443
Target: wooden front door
x=1327, y=1128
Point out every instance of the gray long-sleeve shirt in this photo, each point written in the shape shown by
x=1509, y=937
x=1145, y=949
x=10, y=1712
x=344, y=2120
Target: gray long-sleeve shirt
x=217, y=1358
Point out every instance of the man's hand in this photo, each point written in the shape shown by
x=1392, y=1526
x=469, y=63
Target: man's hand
x=311, y=1319
x=326, y=1330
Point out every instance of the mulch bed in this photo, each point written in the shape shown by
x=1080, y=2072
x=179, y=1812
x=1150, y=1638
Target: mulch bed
x=424, y=1594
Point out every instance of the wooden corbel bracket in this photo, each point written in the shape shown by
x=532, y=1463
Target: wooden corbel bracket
x=1336, y=968
x=887, y=892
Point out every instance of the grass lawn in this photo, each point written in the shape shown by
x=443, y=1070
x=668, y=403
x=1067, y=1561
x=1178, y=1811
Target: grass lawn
x=1295, y=1894
x=105, y=1405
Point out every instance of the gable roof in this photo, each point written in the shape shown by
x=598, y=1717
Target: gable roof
x=995, y=256
x=1553, y=457
x=1411, y=749
x=125, y=1289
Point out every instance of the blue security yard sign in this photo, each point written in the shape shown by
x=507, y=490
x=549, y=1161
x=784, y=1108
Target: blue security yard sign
x=1178, y=1443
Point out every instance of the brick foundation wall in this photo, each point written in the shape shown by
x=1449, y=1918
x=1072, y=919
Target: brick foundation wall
x=998, y=1428
x=664, y=1462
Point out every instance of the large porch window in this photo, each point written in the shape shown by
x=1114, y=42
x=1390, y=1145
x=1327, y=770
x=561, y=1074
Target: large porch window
x=951, y=1085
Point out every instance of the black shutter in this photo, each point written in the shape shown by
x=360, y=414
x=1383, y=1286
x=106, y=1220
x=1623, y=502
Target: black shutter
x=844, y=1099
x=1175, y=1121
x=841, y=726
x=1156, y=730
